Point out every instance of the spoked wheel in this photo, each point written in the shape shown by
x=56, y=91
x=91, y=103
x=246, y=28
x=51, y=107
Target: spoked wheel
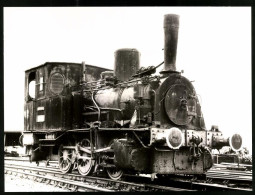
x=114, y=172
x=85, y=166
x=64, y=160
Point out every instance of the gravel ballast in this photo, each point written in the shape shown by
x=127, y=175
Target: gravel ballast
x=16, y=184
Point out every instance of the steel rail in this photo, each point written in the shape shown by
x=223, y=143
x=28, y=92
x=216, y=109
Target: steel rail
x=228, y=170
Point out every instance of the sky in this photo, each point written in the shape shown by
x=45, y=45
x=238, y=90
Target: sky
x=214, y=50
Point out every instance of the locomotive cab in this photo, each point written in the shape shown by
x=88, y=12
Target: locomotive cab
x=51, y=103
x=50, y=106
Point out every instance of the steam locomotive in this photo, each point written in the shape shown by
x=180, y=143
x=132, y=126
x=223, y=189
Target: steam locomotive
x=129, y=120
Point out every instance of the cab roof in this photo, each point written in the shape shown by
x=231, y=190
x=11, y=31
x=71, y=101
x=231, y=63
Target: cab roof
x=62, y=63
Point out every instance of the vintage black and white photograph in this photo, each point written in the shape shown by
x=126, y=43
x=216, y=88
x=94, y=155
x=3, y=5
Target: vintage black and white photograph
x=127, y=99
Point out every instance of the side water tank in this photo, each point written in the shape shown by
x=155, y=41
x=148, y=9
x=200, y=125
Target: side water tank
x=127, y=62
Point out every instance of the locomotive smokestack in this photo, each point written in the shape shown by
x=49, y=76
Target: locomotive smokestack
x=127, y=62
x=171, y=28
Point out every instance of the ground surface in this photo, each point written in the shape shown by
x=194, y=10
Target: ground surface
x=17, y=184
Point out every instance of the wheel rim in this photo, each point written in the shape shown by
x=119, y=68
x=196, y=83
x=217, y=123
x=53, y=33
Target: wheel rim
x=65, y=162
x=85, y=165
x=114, y=173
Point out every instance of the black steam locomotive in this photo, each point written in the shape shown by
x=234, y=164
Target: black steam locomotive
x=129, y=120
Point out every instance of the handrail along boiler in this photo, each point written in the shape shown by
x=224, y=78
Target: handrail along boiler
x=127, y=120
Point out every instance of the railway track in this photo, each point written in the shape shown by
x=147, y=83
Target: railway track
x=230, y=175
x=131, y=183
x=76, y=182
x=56, y=181
x=226, y=174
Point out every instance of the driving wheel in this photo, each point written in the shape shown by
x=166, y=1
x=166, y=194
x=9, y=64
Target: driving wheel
x=113, y=172
x=85, y=165
x=64, y=159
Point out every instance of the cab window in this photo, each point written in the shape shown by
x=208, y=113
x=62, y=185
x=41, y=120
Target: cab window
x=31, y=86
